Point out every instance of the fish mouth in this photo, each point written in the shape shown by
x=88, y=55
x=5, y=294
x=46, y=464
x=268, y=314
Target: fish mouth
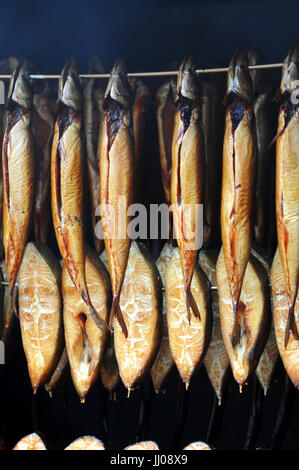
x=118, y=88
x=238, y=78
x=20, y=91
x=290, y=71
x=69, y=87
x=187, y=84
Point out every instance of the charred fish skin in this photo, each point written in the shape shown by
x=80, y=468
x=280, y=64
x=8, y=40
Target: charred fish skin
x=216, y=360
x=40, y=315
x=237, y=180
x=116, y=180
x=287, y=188
x=165, y=112
x=85, y=342
x=93, y=119
x=43, y=123
x=188, y=341
x=187, y=189
x=255, y=326
x=141, y=304
x=289, y=353
x=67, y=183
x=212, y=116
x=18, y=175
x=264, y=110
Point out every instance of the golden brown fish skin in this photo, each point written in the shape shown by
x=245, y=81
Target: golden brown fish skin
x=216, y=360
x=237, y=179
x=85, y=342
x=287, y=188
x=163, y=365
x=43, y=124
x=144, y=445
x=141, y=304
x=116, y=180
x=290, y=353
x=86, y=443
x=187, y=189
x=40, y=308
x=67, y=183
x=30, y=442
x=18, y=176
x=264, y=110
x=212, y=114
x=189, y=340
x=165, y=112
x=254, y=320
x=268, y=360
x=93, y=94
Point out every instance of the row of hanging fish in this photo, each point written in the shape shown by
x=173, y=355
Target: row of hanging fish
x=79, y=301
x=34, y=442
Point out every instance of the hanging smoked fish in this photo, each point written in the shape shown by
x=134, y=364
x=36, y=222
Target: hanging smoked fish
x=263, y=109
x=287, y=187
x=198, y=445
x=40, y=312
x=86, y=443
x=43, y=124
x=85, y=342
x=188, y=340
x=67, y=183
x=141, y=304
x=144, y=445
x=237, y=182
x=116, y=180
x=216, y=360
x=163, y=364
x=187, y=191
x=18, y=176
x=212, y=124
x=93, y=120
x=289, y=353
x=109, y=368
x=165, y=112
x=30, y=442
x=255, y=321
x=268, y=360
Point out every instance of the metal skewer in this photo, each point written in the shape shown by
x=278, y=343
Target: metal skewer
x=148, y=74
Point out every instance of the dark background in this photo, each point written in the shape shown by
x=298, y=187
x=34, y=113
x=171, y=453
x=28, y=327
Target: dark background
x=149, y=35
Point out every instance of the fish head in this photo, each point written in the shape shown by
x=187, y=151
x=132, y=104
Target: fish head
x=20, y=91
x=238, y=78
x=290, y=71
x=69, y=87
x=118, y=88
x=187, y=83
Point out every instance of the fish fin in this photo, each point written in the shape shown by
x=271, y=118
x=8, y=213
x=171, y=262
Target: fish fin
x=98, y=320
x=116, y=310
x=290, y=327
x=191, y=305
x=239, y=308
x=11, y=307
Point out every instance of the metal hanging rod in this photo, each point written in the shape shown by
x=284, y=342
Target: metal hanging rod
x=149, y=74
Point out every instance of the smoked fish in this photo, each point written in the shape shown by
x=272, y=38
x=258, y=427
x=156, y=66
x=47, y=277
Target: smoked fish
x=289, y=353
x=93, y=94
x=18, y=176
x=216, y=360
x=86, y=443
x=40, y=312
x=85, y=342
x=237, y=181
x=67, y=183
x=188, y=340
x=198, y=445
x=116, y=180
x=187, y=189
x=255, y=326
x=30, y=442
x=287, y=187
x=144, y=445
x=163, y=364
x=141, y=304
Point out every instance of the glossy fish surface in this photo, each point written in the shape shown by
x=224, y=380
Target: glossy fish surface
x=141, y=304
x=30, y=442
x=40, y=312
x=188, y=340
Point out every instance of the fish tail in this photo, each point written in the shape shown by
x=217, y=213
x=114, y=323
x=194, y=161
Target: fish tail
x=191, y=305
x=291, y=326
x=94, y=314
x=238, y=308
x=11, y=307
x=116, y=310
